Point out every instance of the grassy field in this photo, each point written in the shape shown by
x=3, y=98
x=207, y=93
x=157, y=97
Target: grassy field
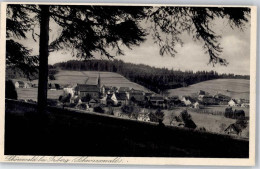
x=210, y=122
x=64, y=77
x=235, y=88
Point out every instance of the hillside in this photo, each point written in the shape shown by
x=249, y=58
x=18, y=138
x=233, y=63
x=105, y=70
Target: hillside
x=235, y=88
x=64, y=77
x=154, y=79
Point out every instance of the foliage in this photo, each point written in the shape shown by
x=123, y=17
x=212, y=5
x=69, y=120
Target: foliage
x=187, y=119
x=51, y=77
x=86, y=98
x=65, y=98
x=242, y=123
x=10, y=91
x=98, y=109
x=157, y=116
x=18, y=23
x=169, y=23
x=222, y=127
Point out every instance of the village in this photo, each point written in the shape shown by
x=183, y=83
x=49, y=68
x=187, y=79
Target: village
x=145, y=106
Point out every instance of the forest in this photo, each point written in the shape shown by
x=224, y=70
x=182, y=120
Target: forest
x=155, y=79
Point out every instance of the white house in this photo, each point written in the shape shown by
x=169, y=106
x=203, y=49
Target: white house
x=196, y=105
x=232, y=103
x=186, y=101
x=70, y=89
x=19, y=84
x=112, y=97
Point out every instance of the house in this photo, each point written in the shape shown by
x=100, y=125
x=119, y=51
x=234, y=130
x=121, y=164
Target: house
x=232, y=103
x=188, y=100
x=19, y=84
x=111, y=99
x=197, y=105
x=28, y=85
x=208, y=100
x=201, y=94
x=156, y=100
x=51, y=86
x=222, y=99
x=137, y=96
x=124, y=89
x=93, y=103
x=246, y=105
x=70, y=89
x=233, y=129
x=122, y=98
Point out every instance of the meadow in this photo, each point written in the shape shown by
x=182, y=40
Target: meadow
x=235, y=88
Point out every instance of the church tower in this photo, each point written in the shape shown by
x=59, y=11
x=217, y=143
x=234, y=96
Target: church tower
x=99, y=81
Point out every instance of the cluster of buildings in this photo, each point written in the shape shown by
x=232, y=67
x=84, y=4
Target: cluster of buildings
x=203, y=98
x=23, y=84
x=111, y=95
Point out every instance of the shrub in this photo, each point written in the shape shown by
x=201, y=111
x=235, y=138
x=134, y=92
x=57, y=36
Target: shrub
x=98, y=109
x=10, y=91
x=65, y=98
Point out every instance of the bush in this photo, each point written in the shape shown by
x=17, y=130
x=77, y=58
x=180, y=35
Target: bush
x=98, y=109
x=10, y=91
x=65, y=98
x=70, y=105
x=51, y=77
x=187, y=119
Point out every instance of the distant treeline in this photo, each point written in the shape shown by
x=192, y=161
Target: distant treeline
x=155, y=79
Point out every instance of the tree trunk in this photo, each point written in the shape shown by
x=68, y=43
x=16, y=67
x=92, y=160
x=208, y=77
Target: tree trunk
x=43, y=58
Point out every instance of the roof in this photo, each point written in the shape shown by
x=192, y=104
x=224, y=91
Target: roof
x=233, y=100
x=121, y=96
x=156, y=98
x=201, y=92
x=235, y=126
x=124, y=89
x=70, y=86
x=87, y=88
x=20, y=82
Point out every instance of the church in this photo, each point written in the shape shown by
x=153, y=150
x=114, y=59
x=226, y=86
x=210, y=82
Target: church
x=93, y=90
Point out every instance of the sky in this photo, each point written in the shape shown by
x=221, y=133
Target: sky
x=190, y=56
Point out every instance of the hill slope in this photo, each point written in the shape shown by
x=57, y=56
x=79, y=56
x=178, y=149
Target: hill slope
x=235, y=88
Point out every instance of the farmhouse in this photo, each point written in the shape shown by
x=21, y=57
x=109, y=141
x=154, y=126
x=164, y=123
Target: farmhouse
x=197, y=105
x=233, y=129
x=232, y=103
x=124, y=89
x=70, y=89
x=28, y=85
x=157, y=100
x=188, y=100
x=222, y=99
x=111, y=99
x=137, y=96
x=19, y=84
x=122, y=98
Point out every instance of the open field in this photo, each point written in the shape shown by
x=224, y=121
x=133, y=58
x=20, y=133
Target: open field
x=31, y=93
x=210, y=122
x=235, y=88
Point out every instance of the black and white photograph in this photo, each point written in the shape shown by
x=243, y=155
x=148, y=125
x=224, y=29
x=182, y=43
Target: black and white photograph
x=128, y=84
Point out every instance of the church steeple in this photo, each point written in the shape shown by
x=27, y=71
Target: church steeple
x=99, y=81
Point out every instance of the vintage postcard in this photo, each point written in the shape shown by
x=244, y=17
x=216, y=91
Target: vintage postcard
x=128, y=84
